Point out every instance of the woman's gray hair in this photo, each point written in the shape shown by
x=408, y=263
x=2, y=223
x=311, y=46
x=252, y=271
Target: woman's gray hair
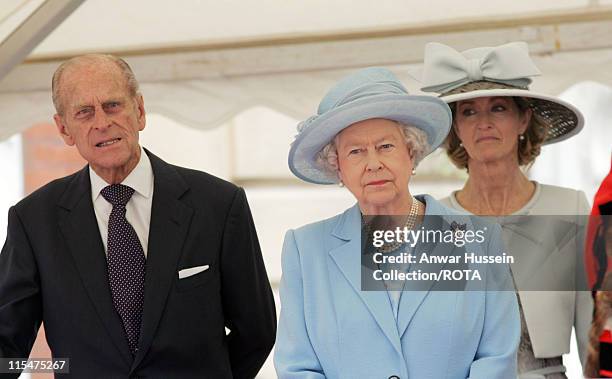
x=415, y=138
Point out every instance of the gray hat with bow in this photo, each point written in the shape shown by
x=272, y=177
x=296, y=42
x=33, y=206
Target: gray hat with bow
x=504, y=70
x=369, y=93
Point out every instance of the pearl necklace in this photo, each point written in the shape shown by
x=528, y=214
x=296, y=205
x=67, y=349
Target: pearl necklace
x=410, y=223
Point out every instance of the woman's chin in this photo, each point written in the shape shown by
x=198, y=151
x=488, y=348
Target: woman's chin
x=490, y=157
x=380, y=201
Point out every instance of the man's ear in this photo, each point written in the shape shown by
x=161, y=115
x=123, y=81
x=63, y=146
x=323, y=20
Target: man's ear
x=63, y=130
x=142, y=119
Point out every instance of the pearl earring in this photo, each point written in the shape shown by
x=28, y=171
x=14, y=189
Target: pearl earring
x=521, y=137
x=413, y=171
x=460, y=144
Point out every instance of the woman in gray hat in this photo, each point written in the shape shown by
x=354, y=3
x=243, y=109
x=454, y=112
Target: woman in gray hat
x=499, y=126
x=369, y=135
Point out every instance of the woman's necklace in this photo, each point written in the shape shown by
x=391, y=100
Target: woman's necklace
x=410, y=223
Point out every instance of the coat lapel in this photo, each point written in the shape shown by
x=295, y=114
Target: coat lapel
x=80, y=229
x=348, y=259
x=415, y=292
x=170, y=220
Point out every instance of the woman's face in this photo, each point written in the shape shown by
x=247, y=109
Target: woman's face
x=375, y=163
x=489, y=128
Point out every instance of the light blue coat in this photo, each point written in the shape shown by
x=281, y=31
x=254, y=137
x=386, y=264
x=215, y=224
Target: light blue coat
x=329, y=328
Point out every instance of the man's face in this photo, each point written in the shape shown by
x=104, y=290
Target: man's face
x=101, y=118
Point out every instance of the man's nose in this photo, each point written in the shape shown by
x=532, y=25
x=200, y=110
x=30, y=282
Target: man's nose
x=101, y=119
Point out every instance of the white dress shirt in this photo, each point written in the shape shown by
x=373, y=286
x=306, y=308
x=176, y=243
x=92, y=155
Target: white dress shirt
x=138, y=209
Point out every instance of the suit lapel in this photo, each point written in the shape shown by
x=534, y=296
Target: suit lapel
x=348, y=259
x=80, y=229
x=170, y=220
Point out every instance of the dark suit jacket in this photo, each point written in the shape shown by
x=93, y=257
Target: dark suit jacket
x=53, y=269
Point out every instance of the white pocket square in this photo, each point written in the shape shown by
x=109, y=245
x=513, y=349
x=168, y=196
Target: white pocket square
x=187, y=272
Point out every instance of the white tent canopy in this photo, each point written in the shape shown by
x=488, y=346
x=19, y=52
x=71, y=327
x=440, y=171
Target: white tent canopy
x=204, y=62
x=138, y=24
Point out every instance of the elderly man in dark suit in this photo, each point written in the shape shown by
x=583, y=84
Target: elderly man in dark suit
x=135, y=266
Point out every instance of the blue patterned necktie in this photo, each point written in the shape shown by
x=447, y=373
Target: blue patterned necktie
x=126, y=263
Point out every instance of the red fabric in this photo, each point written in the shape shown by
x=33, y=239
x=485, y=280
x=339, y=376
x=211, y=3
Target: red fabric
x=605, y=373
x=606, y=336
x=603, y=195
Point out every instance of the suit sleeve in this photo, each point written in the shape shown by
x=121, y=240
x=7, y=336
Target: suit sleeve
x=497, y=349
x=248, y=303
x=294, y=356
x=20, y=300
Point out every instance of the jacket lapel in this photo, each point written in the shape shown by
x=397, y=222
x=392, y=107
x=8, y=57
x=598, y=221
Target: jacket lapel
x=415, y=292
x=170, y=220
x=80, y=229
x=348, y=259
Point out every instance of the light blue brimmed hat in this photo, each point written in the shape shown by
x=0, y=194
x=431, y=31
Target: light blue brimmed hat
x=369, y=93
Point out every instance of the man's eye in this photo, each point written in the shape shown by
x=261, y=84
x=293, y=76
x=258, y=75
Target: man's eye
x=111, y=105
x=83, y=112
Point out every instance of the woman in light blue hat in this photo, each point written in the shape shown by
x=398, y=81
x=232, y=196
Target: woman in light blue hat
x=499, y=126
x=369, y=134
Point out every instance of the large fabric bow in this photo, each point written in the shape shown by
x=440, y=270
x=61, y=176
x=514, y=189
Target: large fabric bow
x=446, y=69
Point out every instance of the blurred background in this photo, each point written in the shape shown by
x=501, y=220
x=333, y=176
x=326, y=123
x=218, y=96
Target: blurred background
x=226, y=81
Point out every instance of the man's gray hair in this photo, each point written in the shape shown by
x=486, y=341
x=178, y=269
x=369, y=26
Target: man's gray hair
x=128, y=74
x=415, y=138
